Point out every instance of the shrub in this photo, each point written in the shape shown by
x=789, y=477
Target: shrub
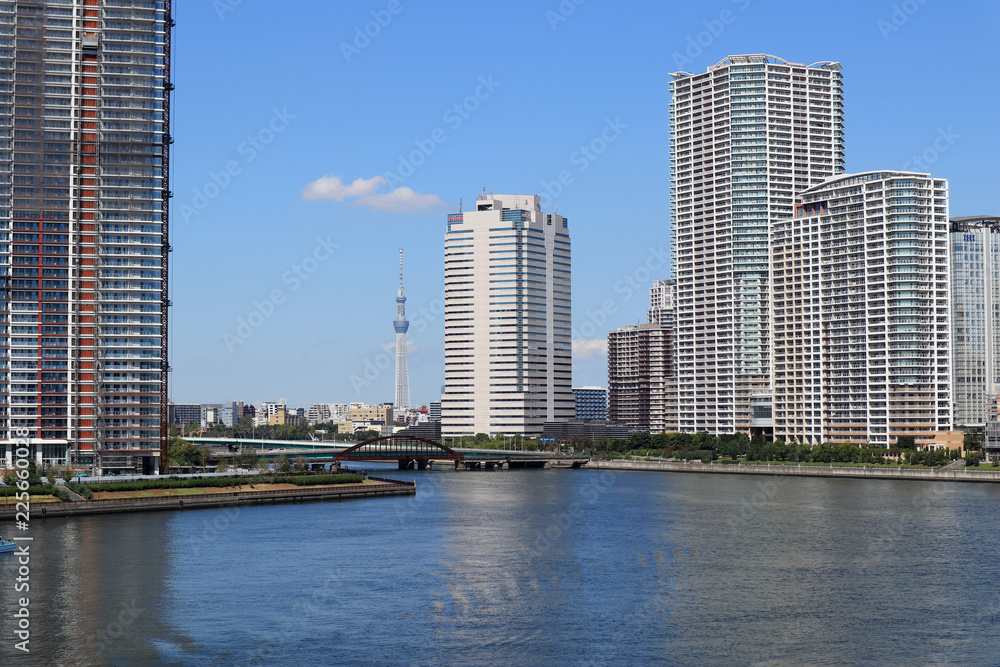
x=60, y=493
x=219, y=482
x=81, y=489
x=37, y=490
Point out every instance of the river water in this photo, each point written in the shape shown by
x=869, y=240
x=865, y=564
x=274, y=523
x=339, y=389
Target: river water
x=533, y=567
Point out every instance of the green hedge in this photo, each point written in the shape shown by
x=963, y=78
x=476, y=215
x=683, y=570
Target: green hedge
x=44, y=490
x=216, y=482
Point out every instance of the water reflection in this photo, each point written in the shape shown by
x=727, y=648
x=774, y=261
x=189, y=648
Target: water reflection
x=531, y=567
x=97, y=590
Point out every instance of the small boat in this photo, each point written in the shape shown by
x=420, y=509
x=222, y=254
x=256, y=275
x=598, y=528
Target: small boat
x=6, y=546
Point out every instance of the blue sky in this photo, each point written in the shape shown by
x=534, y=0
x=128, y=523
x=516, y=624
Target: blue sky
x=284, y=291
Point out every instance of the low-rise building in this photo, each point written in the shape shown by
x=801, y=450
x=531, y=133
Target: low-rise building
x=591, y=402
x=380, y=413
x=184, y=413
x=991, y=449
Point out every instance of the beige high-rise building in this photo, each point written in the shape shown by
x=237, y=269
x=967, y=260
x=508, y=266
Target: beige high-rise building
x=861, y=311
x=745, y=137
x=507, y=342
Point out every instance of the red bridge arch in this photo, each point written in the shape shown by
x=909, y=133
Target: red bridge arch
x=405, y=449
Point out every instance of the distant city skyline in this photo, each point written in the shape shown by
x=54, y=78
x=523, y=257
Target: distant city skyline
x=255, y=212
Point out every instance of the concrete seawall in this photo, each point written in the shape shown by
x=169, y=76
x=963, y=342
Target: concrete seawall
x=962, y=475
x=303, y=494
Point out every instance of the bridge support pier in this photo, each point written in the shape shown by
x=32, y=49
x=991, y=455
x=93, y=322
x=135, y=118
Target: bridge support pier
x=422, y=465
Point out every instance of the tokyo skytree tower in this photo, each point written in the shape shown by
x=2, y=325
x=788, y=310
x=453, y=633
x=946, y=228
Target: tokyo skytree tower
x=401, y=325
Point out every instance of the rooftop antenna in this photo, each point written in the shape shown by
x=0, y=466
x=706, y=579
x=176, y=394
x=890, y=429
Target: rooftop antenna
x=459, y=204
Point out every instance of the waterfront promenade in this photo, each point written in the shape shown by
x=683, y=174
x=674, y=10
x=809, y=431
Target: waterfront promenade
x=869, y=472
x=380, y=487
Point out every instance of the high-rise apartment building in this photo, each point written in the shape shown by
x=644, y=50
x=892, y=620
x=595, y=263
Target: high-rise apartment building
x=745, y=137
x=975, y=316
x=861, y=313
x=662, y=302
x=508, y=348
x=639, y=371
x=84, y=147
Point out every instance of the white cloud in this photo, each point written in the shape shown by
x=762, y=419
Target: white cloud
x=364, y=192
x=331, y=187
x=401, y=200
x=587, y=349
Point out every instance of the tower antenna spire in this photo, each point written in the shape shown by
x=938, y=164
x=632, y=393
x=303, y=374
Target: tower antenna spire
x=402, y=400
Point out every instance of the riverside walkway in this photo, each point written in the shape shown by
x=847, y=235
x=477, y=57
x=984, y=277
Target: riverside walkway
x=383, y=487
x=859, y=472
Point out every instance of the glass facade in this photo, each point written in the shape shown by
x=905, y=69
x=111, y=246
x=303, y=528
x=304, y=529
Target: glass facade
x=975, y=291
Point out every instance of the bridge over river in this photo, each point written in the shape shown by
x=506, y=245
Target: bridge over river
x=408, y=451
